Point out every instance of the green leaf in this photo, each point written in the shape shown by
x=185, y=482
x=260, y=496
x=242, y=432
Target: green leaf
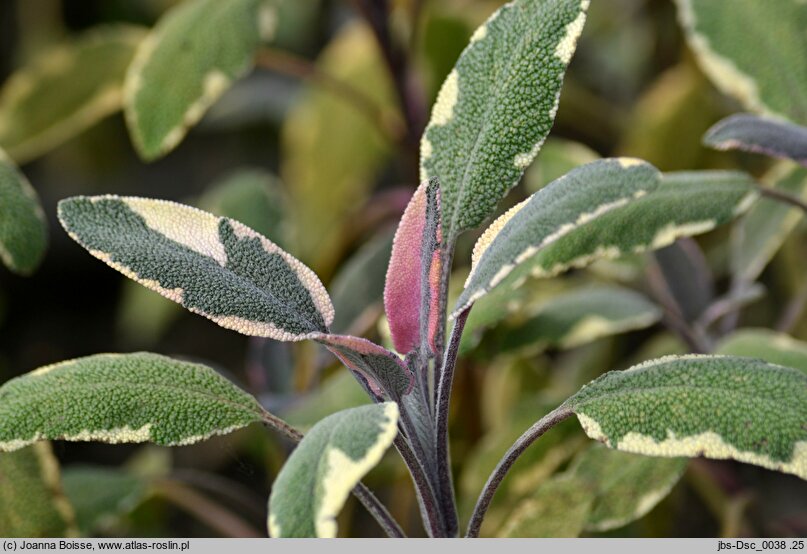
x=337, y=392
x=119, y=398
x=189, y=59
x=753, y=51
x=332, y=153
x=760, y=135
x=720, y=407
x=213, y=266
x=32, y=503
x=328, y=463
x=627, y=485
x=559, y=508
x=101, y=495
x=760, y=234
x=773, y=347
x=581, y=316
x=66, y=90
x=255, y=198
x=23, y=230
x=497, y=106
x=602, y=210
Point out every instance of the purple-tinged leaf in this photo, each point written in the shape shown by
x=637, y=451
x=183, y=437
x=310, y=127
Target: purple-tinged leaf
x=760, y=135
x=384, y=373
x=412, y=287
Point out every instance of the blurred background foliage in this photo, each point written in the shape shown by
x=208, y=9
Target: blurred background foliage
x=317, y=149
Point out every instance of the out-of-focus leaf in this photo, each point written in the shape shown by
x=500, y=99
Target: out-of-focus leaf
x=193, y=54
x=23, y=231
x=677, y=108
x=66, y=90
x=338, y=392
x=32, y=503
x=101, y=495
x=213, y=266
x=119, y=398
x=761, y=135
x=773, y=347
x=531, y=469
x=557, y=158
x=682, y=277
x=497, y=105
x=143, y=317
x=580, y=316
x=360, y=281
x=759, y=235
x=752, y=51
x=616, y=207
x=558, y=508
x=719, y=407
x=411, y=290
x=331, y=152
x=255, y=198
x=327, y=464
x=627, y=485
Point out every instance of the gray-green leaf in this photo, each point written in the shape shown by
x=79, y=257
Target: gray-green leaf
x=119, y=398
x=761, y=135
x=720, y=407
x=557, y=509
x=497, y=106
x=101, y=495
x=192, y=56
x=753, y=51
x=317, y=478
x=66, y=90
x=602, y=210
x=23, y=231
x=213, y=266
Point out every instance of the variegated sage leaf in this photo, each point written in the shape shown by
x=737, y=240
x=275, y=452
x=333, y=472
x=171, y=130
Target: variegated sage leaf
x=23, y=230
x=580, y=316
x=122, y=398
x=213, y=266
x=411, y=292
x=627, y=486
x=193, y=54
x=753, y=51
x=773, y=347
x=384, y=373
x=758, y=236
x=603, y=220
x=497, y=106
x=317, y=478
x=761, y=135
x=66, y=90
x=720, y=407
x=32, y=503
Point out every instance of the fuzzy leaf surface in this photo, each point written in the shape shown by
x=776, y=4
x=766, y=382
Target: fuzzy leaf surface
x=753, y=51
x=23, y=230
x=190, y=58
x=317, y=478
x=122, y=398
x=760, y=135
x=66, y=90
x=719, y=407
x=213, y=266
x=497, y=105
x=606, y=221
